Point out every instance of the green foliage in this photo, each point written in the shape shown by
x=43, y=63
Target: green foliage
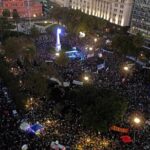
x=6, y=13
x=77, y=21
x=17, y=48
x=100, y=108
x=62, y=59
x=138, y=40
x=124, y=44
x=34, y=32
x=15, y=15
x=36, y=83
x=12, y=83
x=4, y=24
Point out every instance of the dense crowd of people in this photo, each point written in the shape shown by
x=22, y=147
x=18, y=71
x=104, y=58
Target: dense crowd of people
x=68, y=129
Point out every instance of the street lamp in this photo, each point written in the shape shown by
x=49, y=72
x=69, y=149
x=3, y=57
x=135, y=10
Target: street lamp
x=95, y=40
x=45, y=22
x=126, y=68
x=34, y=15
x=57, y=54
x=86, y=78
x=137, y=120
x=90, y=48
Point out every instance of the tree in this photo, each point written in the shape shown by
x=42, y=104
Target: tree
x=123, y=44
x=6, y=13
x=99, y=108
x=138, y=40
x=16, y=17
x=34, y=32
x=62, y=59
x=20, y=48
x=35, y=83
x=5, y=25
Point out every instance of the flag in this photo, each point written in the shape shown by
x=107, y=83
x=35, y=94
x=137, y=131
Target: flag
x=101, y=66
x=90, y=55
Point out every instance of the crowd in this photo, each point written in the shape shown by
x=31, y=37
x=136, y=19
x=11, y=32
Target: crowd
x=67, y=129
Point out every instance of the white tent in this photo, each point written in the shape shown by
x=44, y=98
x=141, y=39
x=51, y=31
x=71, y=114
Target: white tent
x=24, y=147
x=24, y=126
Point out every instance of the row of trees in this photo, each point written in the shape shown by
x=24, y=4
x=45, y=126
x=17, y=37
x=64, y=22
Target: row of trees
x=98, y=108
x=6, y=24
x=32, y=74
x=125, y=44
x=77, y=21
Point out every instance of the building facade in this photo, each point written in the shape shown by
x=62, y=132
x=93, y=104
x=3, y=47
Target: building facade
x=140, y=21
x=25, y=8
x=115, y=11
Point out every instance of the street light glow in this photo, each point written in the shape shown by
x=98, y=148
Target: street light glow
x=45, y=22
x=137, y=120
x=57, y=54
x=91, y=48
x=126, y=68
x=86, y=78
x=34, y=15
x=95, y=40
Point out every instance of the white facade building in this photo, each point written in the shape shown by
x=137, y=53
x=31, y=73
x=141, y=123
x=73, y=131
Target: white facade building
x=62, y=3
x=115, y=11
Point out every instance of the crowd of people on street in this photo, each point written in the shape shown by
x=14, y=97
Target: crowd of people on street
x=68, y=130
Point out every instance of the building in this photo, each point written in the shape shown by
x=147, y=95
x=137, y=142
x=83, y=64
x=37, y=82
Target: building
x=62, y=3
x=25, y=8
x=115, y=11
x=140, y=21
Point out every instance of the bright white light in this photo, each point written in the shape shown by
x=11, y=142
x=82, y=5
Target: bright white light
x=86, y=78
x=137, y=120
x=91, y=48
x=81, y=34
x=100, y=55
x=34, y=15
x=126, y=68
x=57, y=54
x=59, y=31
x=95, y=40
x=45, y=22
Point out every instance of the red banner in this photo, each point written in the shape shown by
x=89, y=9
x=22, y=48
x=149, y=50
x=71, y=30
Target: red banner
x=118, y=129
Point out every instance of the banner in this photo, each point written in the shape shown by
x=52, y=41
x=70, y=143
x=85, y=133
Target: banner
x=66, y=84
x=101, y=66
x=90, y=55
x=77, y=82
x=118, y=129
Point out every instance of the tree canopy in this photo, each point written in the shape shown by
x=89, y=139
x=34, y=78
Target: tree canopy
x=99, y=108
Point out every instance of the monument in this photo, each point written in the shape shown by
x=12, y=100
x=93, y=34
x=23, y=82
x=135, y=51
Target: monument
x=58, y=44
